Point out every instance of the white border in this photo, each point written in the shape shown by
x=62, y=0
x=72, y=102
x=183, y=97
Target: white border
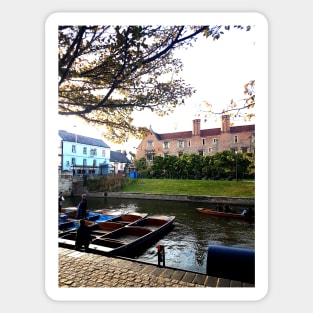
x=51, y=177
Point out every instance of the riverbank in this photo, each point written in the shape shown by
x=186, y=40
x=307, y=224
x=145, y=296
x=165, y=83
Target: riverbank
x=169, y=197
x=79, y=269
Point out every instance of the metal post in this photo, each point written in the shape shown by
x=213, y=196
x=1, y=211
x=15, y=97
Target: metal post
x=236, y=166
x=161, y=255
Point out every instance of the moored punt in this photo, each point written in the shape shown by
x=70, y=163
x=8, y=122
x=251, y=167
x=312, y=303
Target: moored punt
x=128, y=218
x=96, y=217
x=103, y=228
x=154, y=222
x=213, y=212
x=131, y=239
x=70, y=226
x=68, y=239
x=70, y=212
x=109, y=212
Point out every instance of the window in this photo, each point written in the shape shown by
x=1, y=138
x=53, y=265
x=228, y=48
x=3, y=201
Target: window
x=85, y=162
x=203, y=141
x=93, y=152
x=180, y=153
x=189, y=143
x=166, y=145
x=67, y=164
x=235, y=139
x=73, y=161
x=180, y=143
x=252, y=138
x=94, y=163
x=149, y=155
x=214, y=140
x=201, y=152
x=210, y=150
x=103, y=153
x=150, y=143
x=85, y=150
x=73, y=149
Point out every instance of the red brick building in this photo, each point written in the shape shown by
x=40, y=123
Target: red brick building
x=199, y=141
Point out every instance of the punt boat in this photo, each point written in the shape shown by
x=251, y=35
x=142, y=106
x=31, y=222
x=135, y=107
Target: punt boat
x=131, y=239
x=213, y=212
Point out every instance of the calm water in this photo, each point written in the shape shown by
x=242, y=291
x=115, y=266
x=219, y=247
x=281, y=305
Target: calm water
x=187, y=244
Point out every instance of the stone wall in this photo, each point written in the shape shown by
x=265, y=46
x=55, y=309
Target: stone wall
x=71, y=186
x=65, y=184
x=203, y=199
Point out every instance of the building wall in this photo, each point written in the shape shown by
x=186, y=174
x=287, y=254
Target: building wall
x=227, y=138
x=102, y=156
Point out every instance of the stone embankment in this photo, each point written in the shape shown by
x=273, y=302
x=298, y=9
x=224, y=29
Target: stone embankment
x=82, y=270
x=191, y=198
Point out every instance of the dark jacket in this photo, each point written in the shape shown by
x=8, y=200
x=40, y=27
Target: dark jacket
x=83, y=236
x=82, y=209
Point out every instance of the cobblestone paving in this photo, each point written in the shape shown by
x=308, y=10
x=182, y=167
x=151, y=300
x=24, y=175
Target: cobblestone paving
x=83, y=270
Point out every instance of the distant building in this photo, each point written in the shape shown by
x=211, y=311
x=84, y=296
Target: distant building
x=198, y=141
x=119, y=162
x=83, y=155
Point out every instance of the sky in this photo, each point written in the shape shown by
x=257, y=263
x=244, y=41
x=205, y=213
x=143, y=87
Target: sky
x=218, y=71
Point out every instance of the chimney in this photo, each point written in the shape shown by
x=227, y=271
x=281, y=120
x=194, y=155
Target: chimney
x=225, y=123
x=196, y=127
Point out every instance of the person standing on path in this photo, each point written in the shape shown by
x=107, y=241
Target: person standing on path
x=61, y=199
x=83, y=236
x=82, y=207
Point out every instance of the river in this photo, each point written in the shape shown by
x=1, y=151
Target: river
x=187, y=244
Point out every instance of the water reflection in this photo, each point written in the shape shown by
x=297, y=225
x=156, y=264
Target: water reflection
x=187, y=244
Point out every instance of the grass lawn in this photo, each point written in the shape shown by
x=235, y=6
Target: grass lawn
x=245, y=189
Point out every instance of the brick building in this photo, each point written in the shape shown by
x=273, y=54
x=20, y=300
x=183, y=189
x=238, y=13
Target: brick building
x=199, y=141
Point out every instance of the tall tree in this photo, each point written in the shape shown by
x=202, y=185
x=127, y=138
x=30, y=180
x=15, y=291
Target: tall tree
x=241, y=108
x=107, y=72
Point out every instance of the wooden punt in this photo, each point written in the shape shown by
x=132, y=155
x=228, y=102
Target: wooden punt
x=126, y=218
x=102, y=228
x=131, y=239
x=71, y=226
x=70, y=212
x=213, y=212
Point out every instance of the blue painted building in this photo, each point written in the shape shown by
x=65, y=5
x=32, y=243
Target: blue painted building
x=83, y=155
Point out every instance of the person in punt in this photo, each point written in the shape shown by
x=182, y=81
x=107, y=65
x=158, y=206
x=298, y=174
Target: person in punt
x=227, y=208
x=219, y=207
x=60, y=199
x=244, y=212
x=82, y=207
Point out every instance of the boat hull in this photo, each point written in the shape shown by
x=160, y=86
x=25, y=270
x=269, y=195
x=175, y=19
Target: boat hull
x=122, y=235
x=238, y=216
x=132, y=239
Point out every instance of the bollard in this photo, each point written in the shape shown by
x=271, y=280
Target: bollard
x=231, y=263
x=161, y=255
